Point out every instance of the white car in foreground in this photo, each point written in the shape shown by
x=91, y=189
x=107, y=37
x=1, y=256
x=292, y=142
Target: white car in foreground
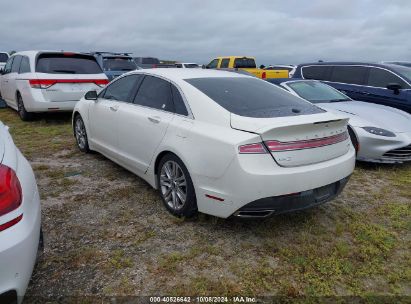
x=43, y=81
x=218, y=142
x=19, y=220
x=379, y=133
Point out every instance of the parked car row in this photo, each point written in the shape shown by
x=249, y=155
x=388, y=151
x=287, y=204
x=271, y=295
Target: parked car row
x=210, y=140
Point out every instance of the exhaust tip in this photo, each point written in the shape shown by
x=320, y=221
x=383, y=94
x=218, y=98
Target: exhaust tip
x=254, y=213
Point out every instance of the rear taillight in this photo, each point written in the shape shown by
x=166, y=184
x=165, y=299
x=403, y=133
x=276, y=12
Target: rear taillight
x=264, y=75
x=41, y=83
x=46, y=83
x=10, y=190
x=278, y=146
x=257, y=148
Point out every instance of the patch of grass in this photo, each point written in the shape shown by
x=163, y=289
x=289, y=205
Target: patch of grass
x=118, y=260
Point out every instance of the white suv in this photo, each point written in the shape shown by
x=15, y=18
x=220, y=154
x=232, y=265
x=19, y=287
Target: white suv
x=42, y=81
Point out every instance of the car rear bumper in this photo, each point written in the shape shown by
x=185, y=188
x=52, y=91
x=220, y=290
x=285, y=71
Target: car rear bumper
x=256, y=177
x=267, y=206
x=382, y=149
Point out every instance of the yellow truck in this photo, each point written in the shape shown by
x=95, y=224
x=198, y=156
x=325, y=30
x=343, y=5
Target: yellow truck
x=246, y=64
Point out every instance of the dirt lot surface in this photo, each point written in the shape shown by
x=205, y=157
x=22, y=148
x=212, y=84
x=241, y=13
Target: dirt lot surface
x=107, y=233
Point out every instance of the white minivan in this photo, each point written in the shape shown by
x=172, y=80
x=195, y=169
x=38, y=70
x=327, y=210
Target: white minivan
x=43, y=81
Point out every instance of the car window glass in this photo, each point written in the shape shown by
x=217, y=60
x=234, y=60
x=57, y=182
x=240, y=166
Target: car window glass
x=179, y=65
x=67, y=63
x=349, y=74
x=244, y=63
x=155, y=93
x=122, y=88
x=25, y=65
x=224, y=63
x=7, y=68
x=251, y=97
x=317, y=92
x=3, y=57
x=179, y=105
x=381, y=78
x=213, y=64
x=316, y=72
x=16, y=64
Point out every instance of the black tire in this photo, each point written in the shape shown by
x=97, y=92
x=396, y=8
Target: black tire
x=354, y=140
x=80, y=134
x=24, y=115
x=188, y=208
x=40, y=248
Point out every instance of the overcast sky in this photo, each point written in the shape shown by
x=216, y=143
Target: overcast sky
x=197, y=30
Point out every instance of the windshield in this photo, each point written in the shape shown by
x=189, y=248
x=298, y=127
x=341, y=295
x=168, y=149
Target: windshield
x=403, y=71
x=67, y=63
x=252, y=97
x=317, y=92
x=244, y=63
x=3, y=57
x=118, y=64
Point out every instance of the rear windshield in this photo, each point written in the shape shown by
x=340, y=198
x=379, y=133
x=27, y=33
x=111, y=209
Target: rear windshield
x=61, y=63
x=3, y=57
x=149, y=60
x=118, y=64
x=252, y=97
x=244, y=63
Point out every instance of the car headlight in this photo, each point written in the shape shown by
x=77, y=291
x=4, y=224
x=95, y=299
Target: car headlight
x=379, y=131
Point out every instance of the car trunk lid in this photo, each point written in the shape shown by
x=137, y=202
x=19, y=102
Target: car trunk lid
x=299, y=140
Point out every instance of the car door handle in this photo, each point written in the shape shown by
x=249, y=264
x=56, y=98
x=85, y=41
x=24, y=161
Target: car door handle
x=114, y=108
x=154, y=119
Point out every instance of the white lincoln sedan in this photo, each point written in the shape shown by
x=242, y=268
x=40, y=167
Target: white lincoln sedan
x=218, y=142
x=19, y=220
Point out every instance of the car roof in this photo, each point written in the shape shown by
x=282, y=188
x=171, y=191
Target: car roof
x=181, y=74
x=374, y=64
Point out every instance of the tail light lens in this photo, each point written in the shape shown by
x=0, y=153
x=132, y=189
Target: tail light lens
x=257, y=148
x=46, y=83
x=10, y=190
x=264, y=75
x=278, y=146
x=41, y=83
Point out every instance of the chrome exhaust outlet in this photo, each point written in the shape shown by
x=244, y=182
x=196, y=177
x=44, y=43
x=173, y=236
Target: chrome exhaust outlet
x=254, y=213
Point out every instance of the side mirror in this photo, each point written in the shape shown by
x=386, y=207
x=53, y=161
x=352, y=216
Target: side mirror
x=394, y=87
x=91, y=95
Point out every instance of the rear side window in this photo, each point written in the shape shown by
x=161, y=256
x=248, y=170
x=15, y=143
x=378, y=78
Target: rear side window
x=349, y=74
x=25, y=65
x=381, y=78
x=224, y=63
x=7, y=68
x=179, y=105
x=16, y=64
x=3, y=57
x=317, y=72
x=123, y=88
x=155, y=93
x=252, y=97
x=244, y=63
x=61, y=63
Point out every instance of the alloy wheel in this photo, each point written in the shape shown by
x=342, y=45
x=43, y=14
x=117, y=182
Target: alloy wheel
x=81, y=135
x=173, y=185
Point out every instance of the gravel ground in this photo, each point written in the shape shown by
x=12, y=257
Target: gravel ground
x=108, y=234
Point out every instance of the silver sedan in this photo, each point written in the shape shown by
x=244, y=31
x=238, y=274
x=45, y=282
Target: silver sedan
x=379, y=133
